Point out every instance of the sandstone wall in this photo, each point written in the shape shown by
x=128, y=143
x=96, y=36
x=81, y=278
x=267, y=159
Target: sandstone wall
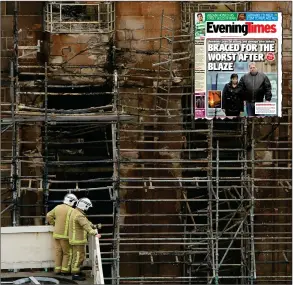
x=136, y=21
x=30, y=31
x=273, y=217
x=88, y=53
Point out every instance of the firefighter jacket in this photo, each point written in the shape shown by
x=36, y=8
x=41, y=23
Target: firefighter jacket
x=79, y=228
x=59, y=218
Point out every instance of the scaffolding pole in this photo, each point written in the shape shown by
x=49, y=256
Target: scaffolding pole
x=45, y=179
x=14, y=109
x=116, y=183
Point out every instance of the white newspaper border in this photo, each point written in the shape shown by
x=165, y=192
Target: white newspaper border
x=278, y=35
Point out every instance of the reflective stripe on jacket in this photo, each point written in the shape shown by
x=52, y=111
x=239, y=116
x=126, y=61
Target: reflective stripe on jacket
x=59, y=218
x=79, y=228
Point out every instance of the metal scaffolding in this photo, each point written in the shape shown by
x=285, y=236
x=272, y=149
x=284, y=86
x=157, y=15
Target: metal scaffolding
x=182, y=201
x=56, y=150
x=74, y=17
x=217, y=171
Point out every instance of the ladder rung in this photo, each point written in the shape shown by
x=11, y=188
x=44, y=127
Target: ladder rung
x=164, y=56
x=167, y=38
x=183, y=41
x=161, y=63
x=30, y=66
x=31, y=73
x=162, y=67
x=28, y=48
x=163, y=88
x=168, y=17
x=163, y=27
x=168, y=49
x=161, y=98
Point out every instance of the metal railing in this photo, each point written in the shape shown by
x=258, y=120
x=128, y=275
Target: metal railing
x=95, y=258
x=64, y=17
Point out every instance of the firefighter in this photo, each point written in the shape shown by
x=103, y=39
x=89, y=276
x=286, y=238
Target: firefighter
x=79, y=228
x=59, y=218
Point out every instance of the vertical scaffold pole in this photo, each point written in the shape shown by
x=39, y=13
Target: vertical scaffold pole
x=14, y=108
x=45, y=177
x=252, y=265
x=217, y=216
x=210, y=194
x=116, y=183
x=14, y=158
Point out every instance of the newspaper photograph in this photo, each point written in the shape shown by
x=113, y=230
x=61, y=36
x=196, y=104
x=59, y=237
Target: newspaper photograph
x=238, y=65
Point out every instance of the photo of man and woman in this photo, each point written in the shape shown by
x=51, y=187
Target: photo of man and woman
x=253, y=87
x=242, y=92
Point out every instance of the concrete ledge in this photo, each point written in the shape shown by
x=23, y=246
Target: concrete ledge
x=26, y=229
x=27, y=247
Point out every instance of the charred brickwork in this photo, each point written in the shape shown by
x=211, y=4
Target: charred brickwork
x=87, y=53
x=29, y=27
x=161, y=229
x=142, y=143
x=273, y=216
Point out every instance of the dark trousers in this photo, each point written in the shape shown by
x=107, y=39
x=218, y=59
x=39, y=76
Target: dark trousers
x=250, y=109
x=232, y=113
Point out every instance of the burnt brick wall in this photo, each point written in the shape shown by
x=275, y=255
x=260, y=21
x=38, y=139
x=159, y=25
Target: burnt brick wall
x=87, y=50
x=273, y=217
x=136, y=21
x=29, y=32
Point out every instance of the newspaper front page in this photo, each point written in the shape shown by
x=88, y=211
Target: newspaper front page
x=238, y=64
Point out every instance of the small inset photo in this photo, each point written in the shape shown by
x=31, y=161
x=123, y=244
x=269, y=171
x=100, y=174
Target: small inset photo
x=199, y=26
x=241, y=17
x=200, y=102
x=215, y=98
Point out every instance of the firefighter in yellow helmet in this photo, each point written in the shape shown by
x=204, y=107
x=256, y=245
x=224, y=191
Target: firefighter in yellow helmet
x=79, y=228
x=59, y=218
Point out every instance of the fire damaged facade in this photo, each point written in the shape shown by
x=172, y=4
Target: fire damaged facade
x=97, y=100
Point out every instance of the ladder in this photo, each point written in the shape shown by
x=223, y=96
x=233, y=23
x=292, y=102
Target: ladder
x=165, y=62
